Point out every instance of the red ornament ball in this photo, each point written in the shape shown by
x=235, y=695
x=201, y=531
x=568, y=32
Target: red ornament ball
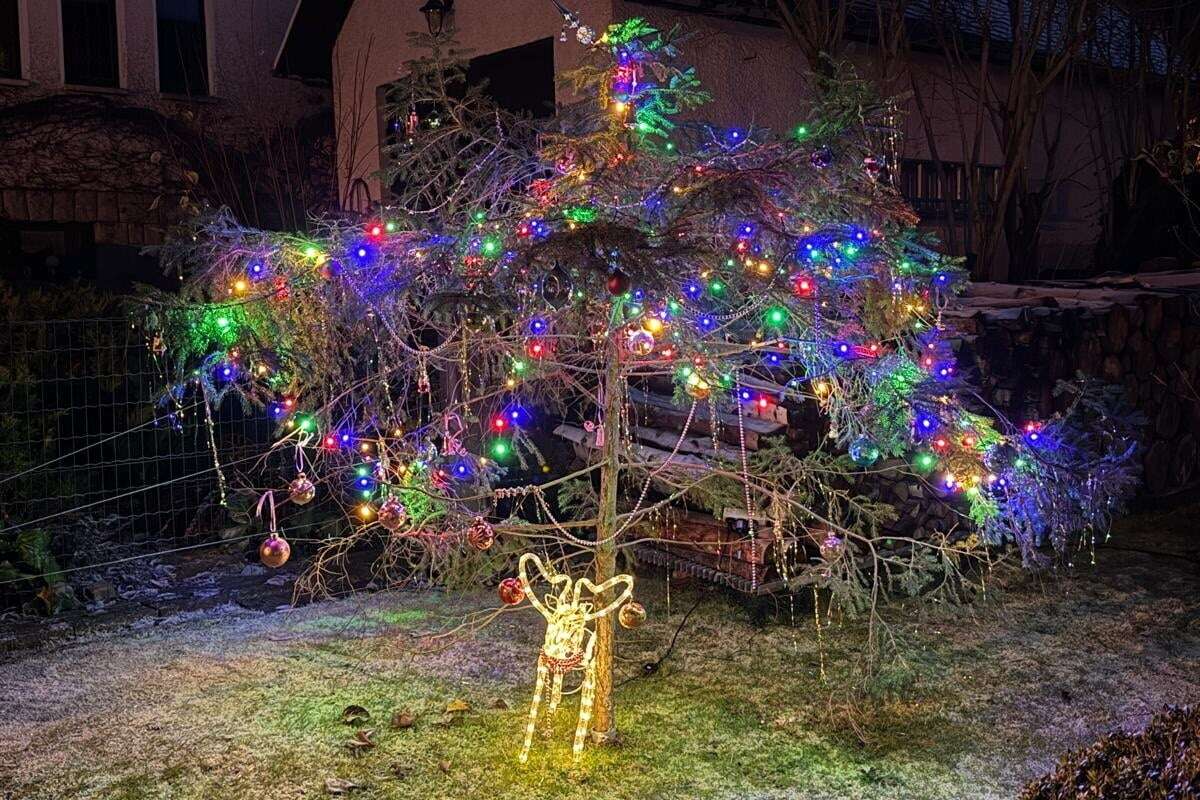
x=618, y=283
x=481, y=535
x=392, y=514
x=511, y=591
x=274, y=551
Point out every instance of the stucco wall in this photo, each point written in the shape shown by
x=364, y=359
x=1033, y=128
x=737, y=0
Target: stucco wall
x=756, y=75
x=243, y=38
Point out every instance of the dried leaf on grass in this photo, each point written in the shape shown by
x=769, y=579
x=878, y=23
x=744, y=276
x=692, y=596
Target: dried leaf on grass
x=403, y=719
x=355, y=715
x=341, y=786
x=360, y=742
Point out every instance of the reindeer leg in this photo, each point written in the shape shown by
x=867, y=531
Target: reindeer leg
x=586, y=693
x=555, y=694
x=533, y=711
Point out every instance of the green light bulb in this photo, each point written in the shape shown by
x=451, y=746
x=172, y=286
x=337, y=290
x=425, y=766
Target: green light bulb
x=776, y=316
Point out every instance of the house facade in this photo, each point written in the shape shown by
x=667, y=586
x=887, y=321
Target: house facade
x=757, y=75
x=120, y=117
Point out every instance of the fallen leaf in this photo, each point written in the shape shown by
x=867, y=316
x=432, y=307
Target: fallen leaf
x=355, y=715
x=361, y=742
x=444, y=766
x=403, y=719
x=501, y=704
x=455, y=706
x=401, y=771
x=341, y=786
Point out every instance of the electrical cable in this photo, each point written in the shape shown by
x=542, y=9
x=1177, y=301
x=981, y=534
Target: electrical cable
x=652, y=667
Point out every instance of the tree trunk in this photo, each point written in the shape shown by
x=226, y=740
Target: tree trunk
x=604, y=725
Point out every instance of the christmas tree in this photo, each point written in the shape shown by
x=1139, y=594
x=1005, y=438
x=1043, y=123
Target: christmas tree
x=541, y=276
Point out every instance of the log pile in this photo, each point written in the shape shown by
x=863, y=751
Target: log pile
x=1140, y=332
x=1016, y=341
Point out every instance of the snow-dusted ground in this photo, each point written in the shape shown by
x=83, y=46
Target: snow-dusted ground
x=230, y=702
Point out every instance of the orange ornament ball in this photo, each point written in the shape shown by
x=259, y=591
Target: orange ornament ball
x=631, y=615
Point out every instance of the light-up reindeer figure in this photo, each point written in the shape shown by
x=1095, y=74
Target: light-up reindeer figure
x=569, y=641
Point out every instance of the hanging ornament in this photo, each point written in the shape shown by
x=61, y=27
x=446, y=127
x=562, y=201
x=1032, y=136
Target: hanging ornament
x=556, y=286
x=873, y=167
x=274, y=551
x=864, y=451
x=640, y=342
x=618, y=283
x=831, y=545
x=392, y=514
x=412, y=122
x=632, y=615
x=511, y=591
x=697, y=387
x=821, y=158
x=301, y=490
x=481, y=535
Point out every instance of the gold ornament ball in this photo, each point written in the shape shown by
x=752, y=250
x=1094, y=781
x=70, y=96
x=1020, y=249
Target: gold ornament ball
x=631, y=615
x=392, y=514
x=481, y=535
x=274, y=551
x=511, y=591
x=301, y=490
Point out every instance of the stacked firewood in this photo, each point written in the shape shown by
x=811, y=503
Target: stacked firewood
x=1141, y=333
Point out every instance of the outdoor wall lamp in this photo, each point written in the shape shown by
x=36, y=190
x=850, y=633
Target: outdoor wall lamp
x=437, y=13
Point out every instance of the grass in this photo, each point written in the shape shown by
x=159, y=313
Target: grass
x=973, y=702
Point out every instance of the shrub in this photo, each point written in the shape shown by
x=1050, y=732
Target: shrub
x=1163, y=761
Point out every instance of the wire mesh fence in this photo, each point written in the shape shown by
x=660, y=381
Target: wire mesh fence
x=82, y=434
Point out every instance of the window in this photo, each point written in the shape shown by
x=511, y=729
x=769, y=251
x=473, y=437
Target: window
x=182, y=47
x=928, y=192
x=519, y=79
x=10, y=40
x=90, y=42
